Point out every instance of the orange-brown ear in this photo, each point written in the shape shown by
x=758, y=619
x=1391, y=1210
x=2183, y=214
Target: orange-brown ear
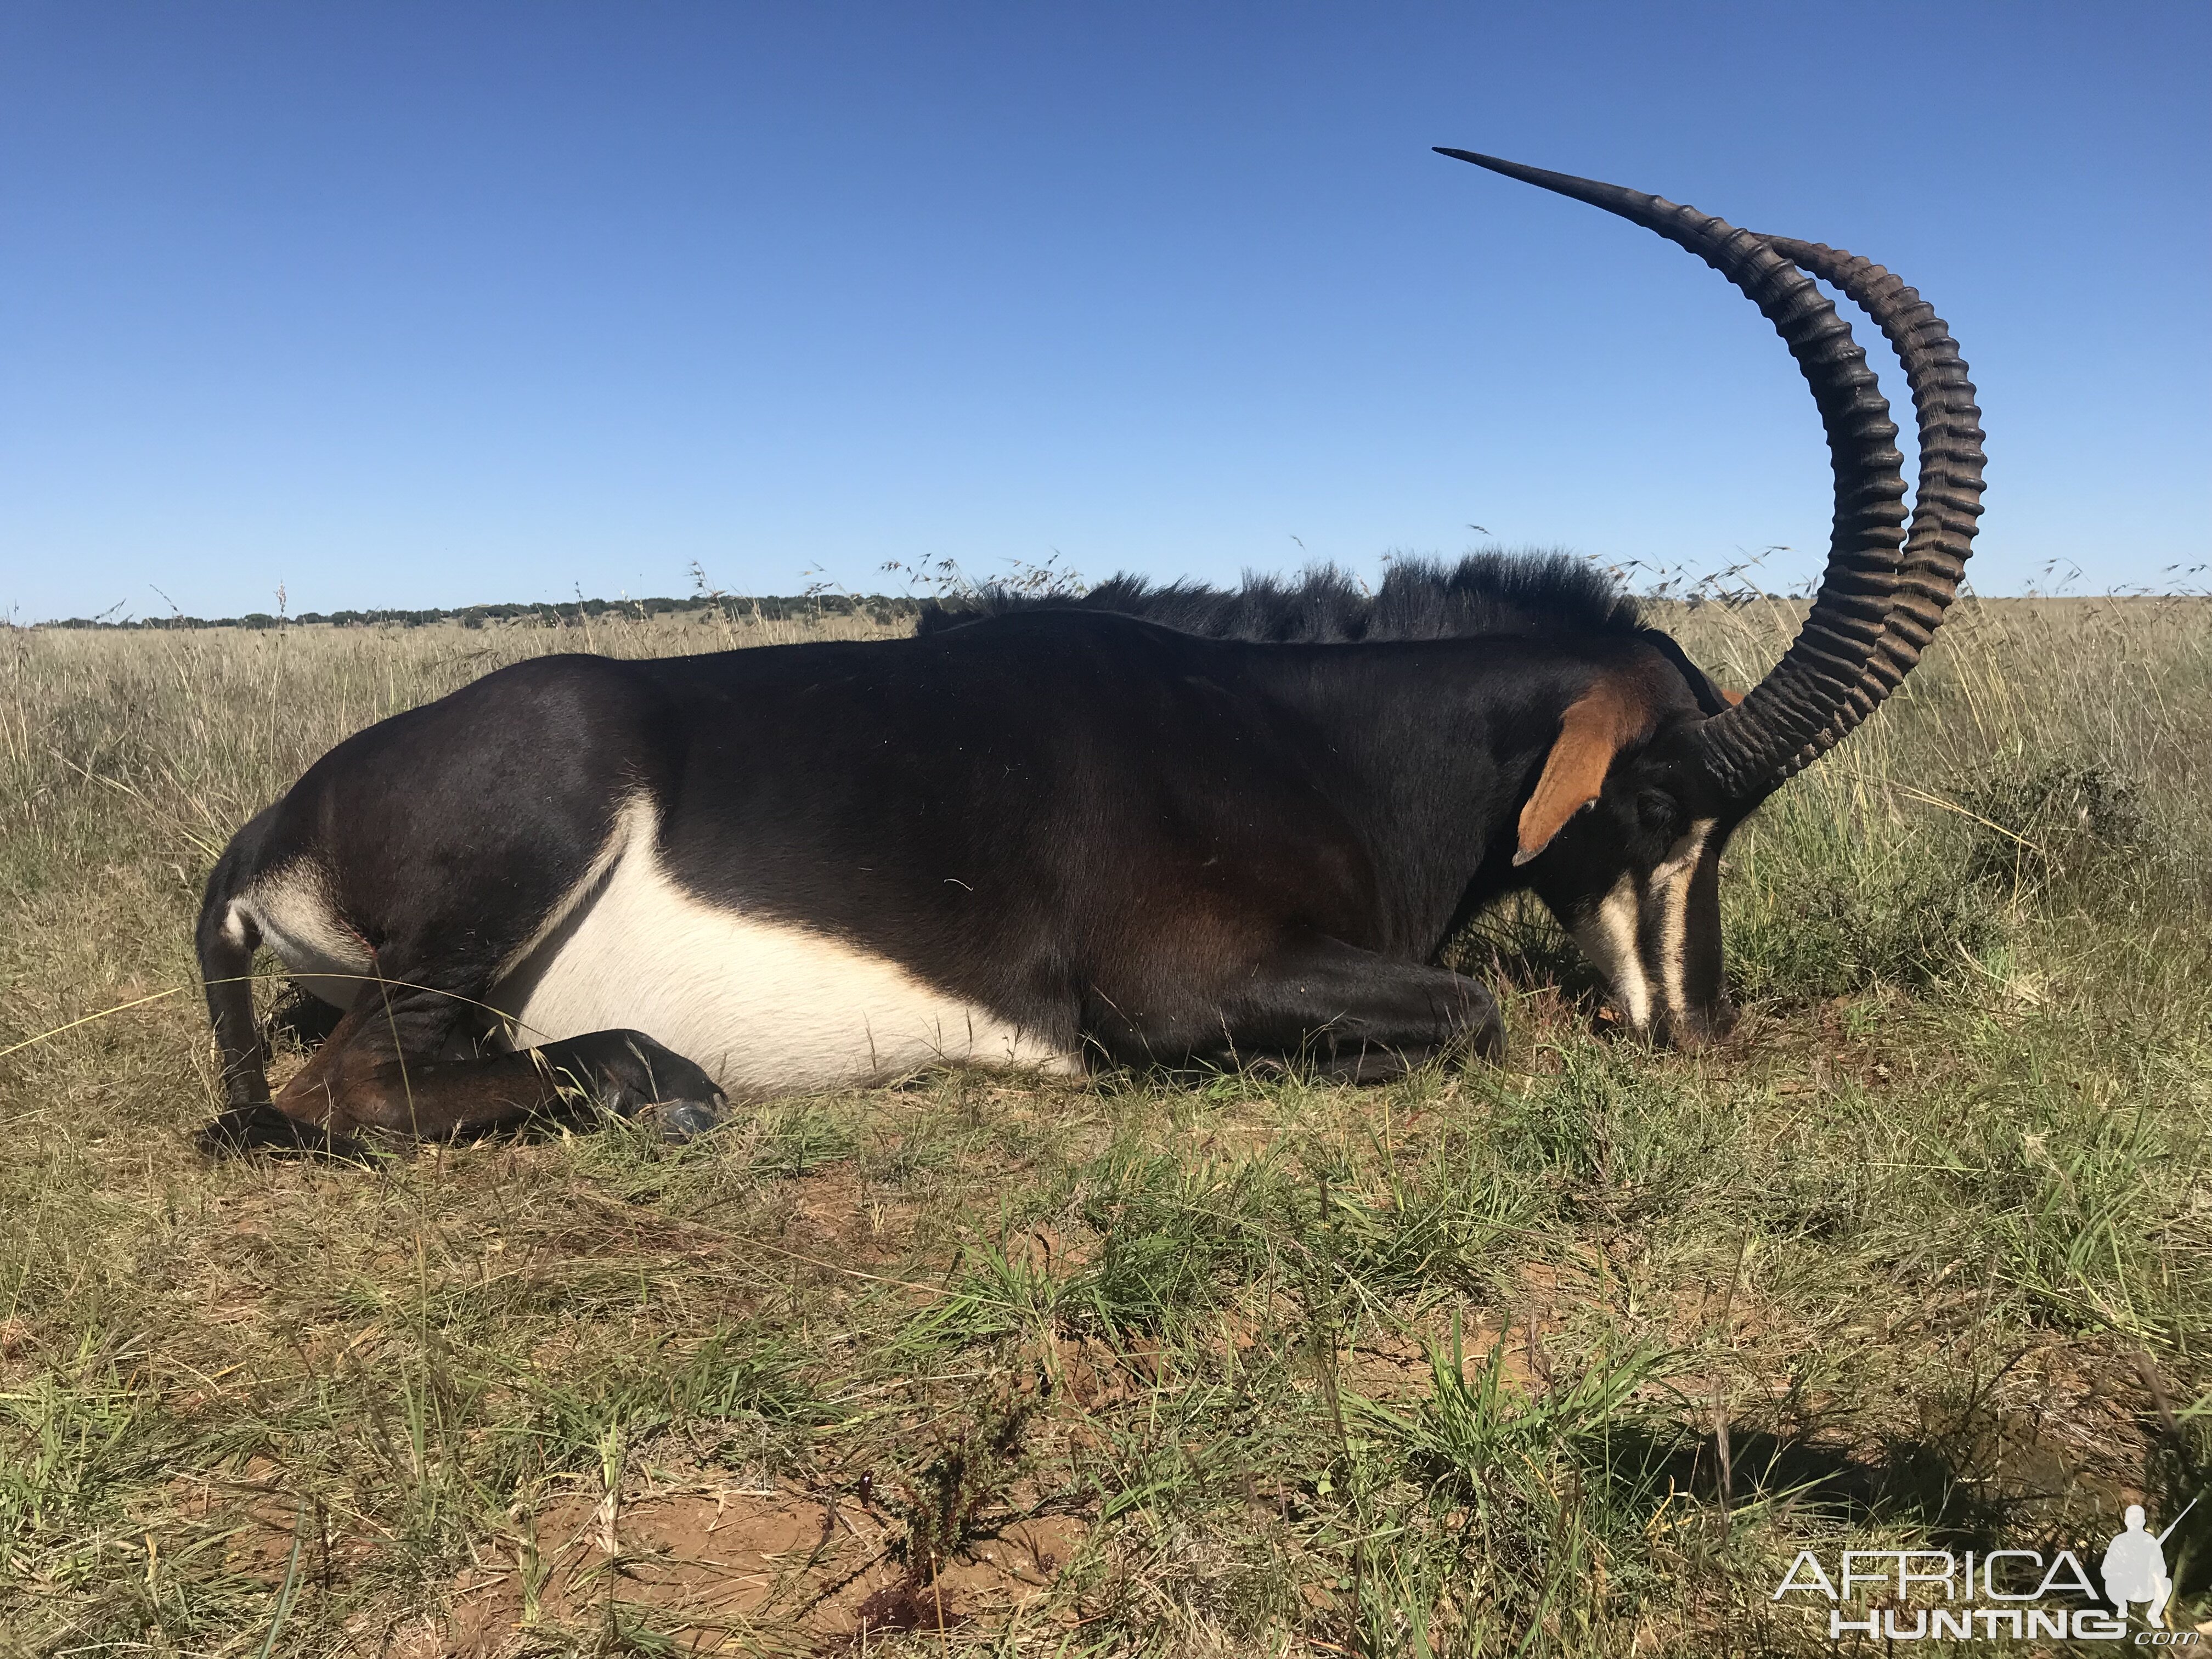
x=1597, y=725
x=1731, y=698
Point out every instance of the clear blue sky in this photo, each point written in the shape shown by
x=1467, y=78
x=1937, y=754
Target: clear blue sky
x=416, y=305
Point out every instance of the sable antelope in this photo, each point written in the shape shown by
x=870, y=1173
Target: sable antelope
x=1057, y=835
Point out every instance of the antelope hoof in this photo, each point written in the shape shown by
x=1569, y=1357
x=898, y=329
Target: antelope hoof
x=260, y=1127
x=679, y=1120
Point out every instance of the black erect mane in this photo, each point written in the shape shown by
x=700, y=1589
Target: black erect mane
x=1489, y=592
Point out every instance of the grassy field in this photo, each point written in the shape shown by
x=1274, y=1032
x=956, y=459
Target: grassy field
x=1568, y=1357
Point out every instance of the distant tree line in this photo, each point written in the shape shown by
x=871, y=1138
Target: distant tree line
x=883, y=609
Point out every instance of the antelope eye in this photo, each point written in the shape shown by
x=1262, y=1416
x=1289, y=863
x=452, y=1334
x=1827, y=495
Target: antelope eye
x=1656, y=812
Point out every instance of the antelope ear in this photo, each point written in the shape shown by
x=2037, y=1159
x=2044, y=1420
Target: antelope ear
x=1597, y=725
x=1731, y=697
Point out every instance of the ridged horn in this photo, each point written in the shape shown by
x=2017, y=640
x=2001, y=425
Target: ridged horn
x=1877, y=605
x=1947, y=497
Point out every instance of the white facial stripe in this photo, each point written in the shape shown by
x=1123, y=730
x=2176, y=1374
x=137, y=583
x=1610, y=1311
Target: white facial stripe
x=1670, y=901
x=761, y=1004
x=1608, y=940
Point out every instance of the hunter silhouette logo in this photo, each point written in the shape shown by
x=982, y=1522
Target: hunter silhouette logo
x=1918, y=1594
x=2134, y=1568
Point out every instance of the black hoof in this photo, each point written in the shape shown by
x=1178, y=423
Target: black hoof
x=263, y=1129
x=679, y=1120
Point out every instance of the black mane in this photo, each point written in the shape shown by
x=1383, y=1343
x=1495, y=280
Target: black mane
x=1489, y=593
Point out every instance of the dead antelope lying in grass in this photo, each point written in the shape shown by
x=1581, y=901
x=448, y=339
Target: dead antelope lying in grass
x=1062, y=836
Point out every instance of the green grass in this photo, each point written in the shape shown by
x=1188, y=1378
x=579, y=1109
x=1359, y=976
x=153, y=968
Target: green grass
x=1569, y=1356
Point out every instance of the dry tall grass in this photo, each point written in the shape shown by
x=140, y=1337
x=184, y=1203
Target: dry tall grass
x=1567, y=1356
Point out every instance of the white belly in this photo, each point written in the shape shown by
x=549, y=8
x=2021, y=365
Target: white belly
x=760, y=1004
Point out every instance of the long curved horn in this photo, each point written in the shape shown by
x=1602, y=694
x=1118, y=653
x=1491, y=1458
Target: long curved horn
x=1946, y=498
x=1852, y=650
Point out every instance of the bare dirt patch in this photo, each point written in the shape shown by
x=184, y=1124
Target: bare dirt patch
x=838, y=1210
x=784, y=1569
